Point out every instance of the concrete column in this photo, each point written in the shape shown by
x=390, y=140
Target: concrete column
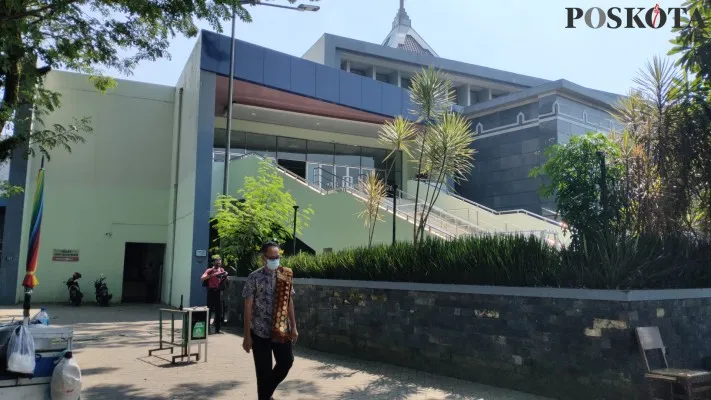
x=14, y=248
x=397, y=79
x=484, y=95
x=463, y=95
x=348, y=66
x=203, y=181
x=370, y=72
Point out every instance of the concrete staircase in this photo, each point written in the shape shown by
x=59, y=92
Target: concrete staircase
x=337, y=202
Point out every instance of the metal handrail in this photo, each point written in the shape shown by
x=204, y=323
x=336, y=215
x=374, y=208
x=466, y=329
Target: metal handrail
x=506, y=212
x=481, y=223
x=279, y=168
x=456, y=224
x=438, y=211
x=387, y=204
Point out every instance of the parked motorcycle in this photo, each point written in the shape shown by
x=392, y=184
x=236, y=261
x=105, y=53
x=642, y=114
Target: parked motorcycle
x=102, y=292
x=75, y=294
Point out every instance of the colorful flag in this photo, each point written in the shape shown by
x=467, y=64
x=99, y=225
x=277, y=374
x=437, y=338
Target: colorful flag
x=30, y=280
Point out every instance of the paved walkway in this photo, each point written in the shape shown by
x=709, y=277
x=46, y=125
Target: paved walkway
x=112, y=348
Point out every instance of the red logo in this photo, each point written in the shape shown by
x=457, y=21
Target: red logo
x=656, y=14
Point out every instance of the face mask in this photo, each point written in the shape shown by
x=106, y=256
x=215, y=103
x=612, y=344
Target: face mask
x=273, y=264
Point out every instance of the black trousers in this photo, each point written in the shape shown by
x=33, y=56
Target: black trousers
x=269, y=378
x=214, y=302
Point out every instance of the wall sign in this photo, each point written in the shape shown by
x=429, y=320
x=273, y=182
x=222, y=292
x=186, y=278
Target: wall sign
x=200, y=253
x=66, y=255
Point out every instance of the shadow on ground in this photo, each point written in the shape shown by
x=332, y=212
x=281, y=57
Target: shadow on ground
x=187, y=391
x=396, y=383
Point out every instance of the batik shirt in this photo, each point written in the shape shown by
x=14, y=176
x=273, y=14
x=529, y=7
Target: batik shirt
x=261, y=285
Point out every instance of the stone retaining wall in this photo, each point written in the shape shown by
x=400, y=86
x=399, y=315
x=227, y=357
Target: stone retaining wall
x=562, y=343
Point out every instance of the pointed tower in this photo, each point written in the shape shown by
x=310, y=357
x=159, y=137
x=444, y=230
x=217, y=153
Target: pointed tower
x=402, y=36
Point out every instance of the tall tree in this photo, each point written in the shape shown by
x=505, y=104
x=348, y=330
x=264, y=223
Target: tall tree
x=575, y=174
x=89, y=36
x=431, y=94
x=693, y=43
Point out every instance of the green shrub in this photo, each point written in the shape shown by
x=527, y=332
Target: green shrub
x=613, y=262
x=495, y=260
x=610, y=263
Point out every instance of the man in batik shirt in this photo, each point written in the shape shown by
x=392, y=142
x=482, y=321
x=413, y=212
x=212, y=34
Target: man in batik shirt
x=258, y=308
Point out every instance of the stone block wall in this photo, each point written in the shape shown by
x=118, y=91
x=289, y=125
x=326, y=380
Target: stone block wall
x=562, y=343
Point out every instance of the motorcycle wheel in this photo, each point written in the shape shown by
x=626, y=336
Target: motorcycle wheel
x=75, y=297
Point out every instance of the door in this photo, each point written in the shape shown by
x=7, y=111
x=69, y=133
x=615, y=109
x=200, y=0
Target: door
x=142, y=272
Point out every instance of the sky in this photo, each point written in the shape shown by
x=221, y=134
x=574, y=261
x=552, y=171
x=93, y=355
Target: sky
x=522, y=36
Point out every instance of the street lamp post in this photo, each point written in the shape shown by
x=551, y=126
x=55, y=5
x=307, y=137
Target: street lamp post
x=293, y=238
x=230, y=88
x=394, y=210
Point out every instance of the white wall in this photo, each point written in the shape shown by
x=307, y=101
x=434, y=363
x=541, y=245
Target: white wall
x=108, y=191
x=179, y=250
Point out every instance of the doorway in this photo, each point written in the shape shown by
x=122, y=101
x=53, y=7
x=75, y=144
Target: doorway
x=297, y=167
x=142, y=272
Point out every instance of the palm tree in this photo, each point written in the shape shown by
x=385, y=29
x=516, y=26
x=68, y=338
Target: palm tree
x=374, y=190
x=439, y=141
x=449, y=154
x=431, y=95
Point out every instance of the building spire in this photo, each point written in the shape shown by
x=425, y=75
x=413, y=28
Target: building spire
x=402, y=36
x=402, y=18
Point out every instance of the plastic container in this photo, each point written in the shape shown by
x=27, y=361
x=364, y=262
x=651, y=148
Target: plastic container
x=66, y=379
x=43, y=317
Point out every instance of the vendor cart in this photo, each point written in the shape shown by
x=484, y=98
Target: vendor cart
x=50, y=344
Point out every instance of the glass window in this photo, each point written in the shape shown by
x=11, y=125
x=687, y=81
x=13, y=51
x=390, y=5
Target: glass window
x=291, y=149
x=373, y=158
x=473, y=97
x=341, y=176
x=264, y=145
x=326, y=176
x=237, y=140
x=312, y=173
x=357, y=72
x=405, y=83
x=320, y=152
x=382, y=78
x=347, y=155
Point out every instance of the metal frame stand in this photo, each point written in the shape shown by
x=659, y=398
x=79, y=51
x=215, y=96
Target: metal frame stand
x=186, y=340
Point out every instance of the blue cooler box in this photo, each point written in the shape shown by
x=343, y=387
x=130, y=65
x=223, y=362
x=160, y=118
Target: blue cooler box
x=50, y=343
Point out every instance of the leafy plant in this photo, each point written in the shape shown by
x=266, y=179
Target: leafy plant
x=613, y=261
x=375, y=191
x=440, y=141
x=265, y=211
x=7, y=190
x=693, y=42
x=575, y=174
x=489, y=260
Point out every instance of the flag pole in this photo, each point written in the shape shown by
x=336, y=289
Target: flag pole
x=33, y=251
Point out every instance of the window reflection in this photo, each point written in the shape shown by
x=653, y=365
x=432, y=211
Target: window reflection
x=264, y=145
x=326, y=165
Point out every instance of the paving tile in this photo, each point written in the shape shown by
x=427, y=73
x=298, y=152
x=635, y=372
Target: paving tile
x=111, y=345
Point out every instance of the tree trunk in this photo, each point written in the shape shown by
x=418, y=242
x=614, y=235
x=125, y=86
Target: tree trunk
x=13, y=74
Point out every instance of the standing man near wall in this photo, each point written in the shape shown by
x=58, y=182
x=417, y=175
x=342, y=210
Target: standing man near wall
x=269, y=321
x=214, y=278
